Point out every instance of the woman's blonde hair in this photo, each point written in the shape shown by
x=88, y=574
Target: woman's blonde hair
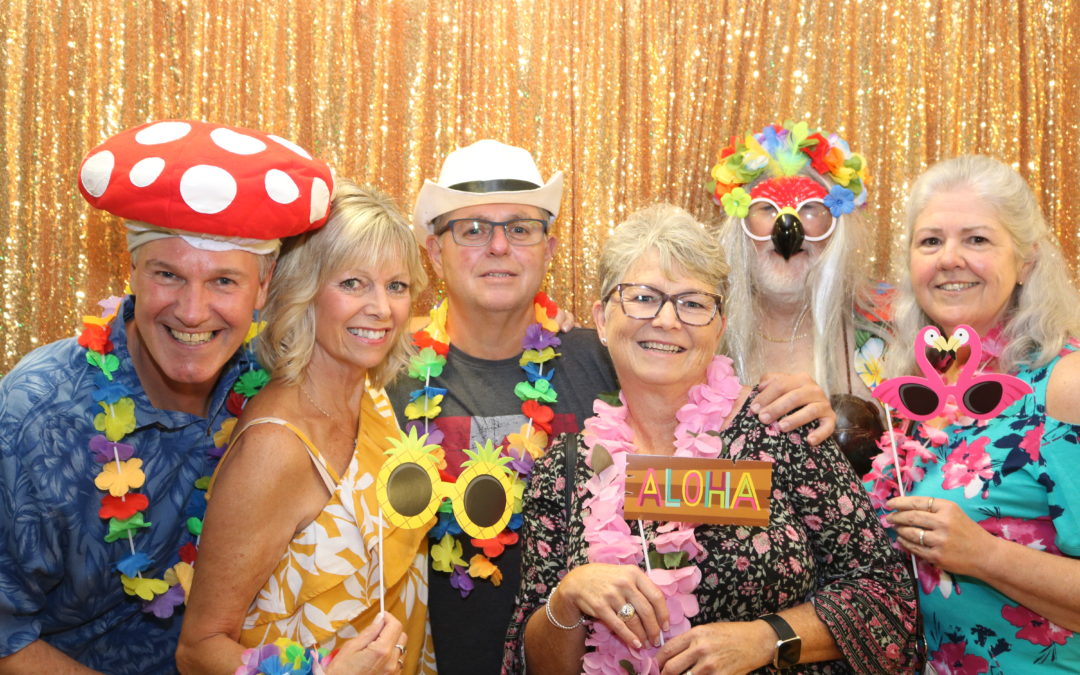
x=1044, y=311
x=365, y=230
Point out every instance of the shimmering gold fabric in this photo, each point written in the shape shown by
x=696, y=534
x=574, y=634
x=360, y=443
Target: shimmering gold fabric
x=632, y=99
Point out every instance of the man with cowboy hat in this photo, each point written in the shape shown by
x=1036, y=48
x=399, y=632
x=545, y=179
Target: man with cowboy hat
x=106, y=438
x=486, y=226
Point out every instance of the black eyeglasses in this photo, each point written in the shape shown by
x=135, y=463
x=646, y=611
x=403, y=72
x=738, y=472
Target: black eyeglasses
x=694, y=308
x=478, y=232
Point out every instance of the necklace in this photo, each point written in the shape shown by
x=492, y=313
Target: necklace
x=121, y=471
x=312, y=401
x=522, y=447
x=793, y=338
x=675, y=546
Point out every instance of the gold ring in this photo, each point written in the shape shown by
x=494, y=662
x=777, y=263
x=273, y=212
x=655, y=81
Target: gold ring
x=930, y=506
x=627, y=612
x=922, y=537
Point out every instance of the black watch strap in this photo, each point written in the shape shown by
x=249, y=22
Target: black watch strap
x=789, y=645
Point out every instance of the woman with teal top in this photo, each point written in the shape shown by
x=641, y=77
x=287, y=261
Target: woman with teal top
x=992, y=508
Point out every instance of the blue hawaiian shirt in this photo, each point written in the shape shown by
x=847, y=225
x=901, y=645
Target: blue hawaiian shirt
x=57, y=581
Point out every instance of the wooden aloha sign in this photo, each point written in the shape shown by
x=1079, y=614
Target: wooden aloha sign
x=693, y=490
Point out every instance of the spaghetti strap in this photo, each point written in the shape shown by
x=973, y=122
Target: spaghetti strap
x=329, y=477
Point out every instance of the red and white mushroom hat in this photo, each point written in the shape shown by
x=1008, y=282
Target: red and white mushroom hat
x=218, y=187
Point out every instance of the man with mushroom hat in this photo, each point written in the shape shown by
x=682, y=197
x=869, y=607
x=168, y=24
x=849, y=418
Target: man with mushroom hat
x=107, y=437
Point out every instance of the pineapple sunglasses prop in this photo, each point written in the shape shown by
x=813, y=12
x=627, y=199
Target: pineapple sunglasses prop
x=410, y=490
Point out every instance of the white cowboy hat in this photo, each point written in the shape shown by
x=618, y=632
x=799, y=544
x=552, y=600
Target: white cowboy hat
x=486, y=172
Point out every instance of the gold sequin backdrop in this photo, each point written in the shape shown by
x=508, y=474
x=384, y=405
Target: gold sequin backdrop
x=632, y=99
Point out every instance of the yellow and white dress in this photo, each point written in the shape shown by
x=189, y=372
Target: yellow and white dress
x=325, y=588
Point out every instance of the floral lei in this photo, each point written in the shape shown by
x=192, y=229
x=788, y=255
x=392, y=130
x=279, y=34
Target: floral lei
x=785, y=151
x=675, y=547
x=523, y=447
x=121, y=471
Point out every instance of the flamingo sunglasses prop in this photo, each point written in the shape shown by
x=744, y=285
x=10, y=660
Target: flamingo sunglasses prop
x=978, y=395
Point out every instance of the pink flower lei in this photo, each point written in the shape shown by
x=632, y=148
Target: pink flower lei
x=607, y=533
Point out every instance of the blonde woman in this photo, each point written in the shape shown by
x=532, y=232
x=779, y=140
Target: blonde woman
x=290, y=544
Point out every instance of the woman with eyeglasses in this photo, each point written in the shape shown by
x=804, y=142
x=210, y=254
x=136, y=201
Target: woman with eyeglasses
x=813, y=584
x=291, y=546
x=992, y=510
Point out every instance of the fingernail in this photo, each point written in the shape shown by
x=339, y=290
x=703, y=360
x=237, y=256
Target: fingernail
x=754, y=408
x=667, y=627
x=765, y=418
x=656, y=642
x=637, y=643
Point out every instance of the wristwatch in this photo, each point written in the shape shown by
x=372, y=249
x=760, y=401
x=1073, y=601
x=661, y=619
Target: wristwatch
x=788, y=647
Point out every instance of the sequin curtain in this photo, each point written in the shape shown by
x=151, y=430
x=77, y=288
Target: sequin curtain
x=631, y=99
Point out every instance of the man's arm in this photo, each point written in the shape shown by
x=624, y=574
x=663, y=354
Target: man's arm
x=41, y=657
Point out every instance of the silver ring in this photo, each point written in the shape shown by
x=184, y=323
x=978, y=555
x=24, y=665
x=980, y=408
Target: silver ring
x=922, y=537
x=930, y=506
x=627, y=612
x=401, y=648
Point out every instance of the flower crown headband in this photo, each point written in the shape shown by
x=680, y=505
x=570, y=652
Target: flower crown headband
x=779, y=151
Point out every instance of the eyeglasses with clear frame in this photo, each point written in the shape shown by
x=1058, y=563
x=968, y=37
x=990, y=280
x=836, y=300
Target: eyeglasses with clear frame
x=693, y=308
x=478, y=232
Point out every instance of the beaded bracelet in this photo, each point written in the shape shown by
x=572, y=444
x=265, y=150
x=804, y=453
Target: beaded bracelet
x=551, y=615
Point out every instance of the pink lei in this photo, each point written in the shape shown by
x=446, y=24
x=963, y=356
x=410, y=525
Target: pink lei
x=608, y=535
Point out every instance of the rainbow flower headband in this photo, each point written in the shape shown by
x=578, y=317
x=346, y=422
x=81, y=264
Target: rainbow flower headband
x=786, y=150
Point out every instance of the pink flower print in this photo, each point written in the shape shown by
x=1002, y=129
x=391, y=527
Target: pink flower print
x=543, y=548
x=735, y=448
x=965, y=466
x=844, y=538
x=813, y=522
x=952, y=659
x=1037, y=533
x=806, y=491
x=1031, y=442
x=761, y=542
x=931, y=576
x=1034, y=627
x=846, y=507
x=795, y=565
x=742, y=563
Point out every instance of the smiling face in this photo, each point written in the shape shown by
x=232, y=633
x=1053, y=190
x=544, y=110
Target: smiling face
x=963, y=263
x=496, y=277
x=661, y=352
x=192, y=312
x=359, y=316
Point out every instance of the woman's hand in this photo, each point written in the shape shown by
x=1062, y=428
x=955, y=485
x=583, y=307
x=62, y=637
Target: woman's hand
x=939, y=532
x=600, y=590
x=375, y=650
x=566, y=320
x=728, y=647
x=798, y=394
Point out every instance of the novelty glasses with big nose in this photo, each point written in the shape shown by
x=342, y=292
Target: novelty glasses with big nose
x=410, y=490
x=789, y=209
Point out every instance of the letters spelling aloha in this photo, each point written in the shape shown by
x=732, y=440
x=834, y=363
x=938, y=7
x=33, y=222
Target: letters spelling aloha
x=693, y=490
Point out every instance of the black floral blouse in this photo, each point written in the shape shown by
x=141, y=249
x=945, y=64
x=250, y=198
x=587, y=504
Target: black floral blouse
x=823, y=545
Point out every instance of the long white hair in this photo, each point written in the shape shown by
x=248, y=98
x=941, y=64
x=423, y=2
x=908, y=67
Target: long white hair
x=836, y=285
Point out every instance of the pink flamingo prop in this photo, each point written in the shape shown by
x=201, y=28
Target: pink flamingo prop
x=978, y=395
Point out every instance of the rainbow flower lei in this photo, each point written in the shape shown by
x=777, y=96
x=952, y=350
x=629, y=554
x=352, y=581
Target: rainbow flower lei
x=522, y=448
x=284, y=657
x=675, y=547
x=121, y=472
x=785, y=151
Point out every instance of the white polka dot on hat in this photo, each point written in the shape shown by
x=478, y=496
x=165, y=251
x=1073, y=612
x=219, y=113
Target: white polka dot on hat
x=208, y=179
